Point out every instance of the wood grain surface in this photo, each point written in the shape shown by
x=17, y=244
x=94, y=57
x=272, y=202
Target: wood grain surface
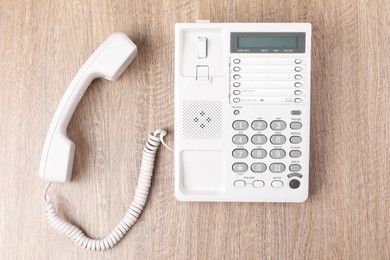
x=43, y=44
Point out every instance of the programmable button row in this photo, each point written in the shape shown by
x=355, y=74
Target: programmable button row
x=259, y=125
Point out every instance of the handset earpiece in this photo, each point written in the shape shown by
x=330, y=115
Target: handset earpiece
x=108, y=61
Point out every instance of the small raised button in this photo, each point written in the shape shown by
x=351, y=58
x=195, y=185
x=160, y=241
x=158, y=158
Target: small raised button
x=295, y=139
x=259, y=139
x=236, y=61
x=236, y=92
x=277, y=184
x=258, y=184
x=296, y=112
x=236, y=84
x=240, y=153
x=298, y=76
x=258, y=167
x=259, y=125
x=236, y=112
x=298, y=100
x=240, y=167
x=298, y=69
x=294, y=184
x=236, y=69
x=278, y=125
x=277, y=167
x=296, y=125
x=298, y=61
x=239, y=184
x=298, y=92
x=236, y=76
x=240, y=125
x=295, y=167
x=277, y=153
x=295, y=154
x=236, y=100
x=259, y=153
x=298, y=84
x=240, y=139
x=278, y=139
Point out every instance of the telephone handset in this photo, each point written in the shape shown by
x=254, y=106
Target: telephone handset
x=108, y=61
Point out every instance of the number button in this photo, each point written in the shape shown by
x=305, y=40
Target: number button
x=277, y=167
x=278, y=139
x=240, y=125
x=259, y=125
x=277, y=153
x=259, y=139
x=240, y=139
x=240, y=153
x=278, y=125
x=240, y=167
x=258, y=167
x=295, y=139
x=259, y=153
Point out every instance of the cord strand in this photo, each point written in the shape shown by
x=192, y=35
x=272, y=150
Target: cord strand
x=133, y=212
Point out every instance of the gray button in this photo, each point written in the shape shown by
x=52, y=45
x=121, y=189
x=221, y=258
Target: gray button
x=298, y=76
x=296, y=125
x=239, y=184
x=295, y=139
x=259, y=139
x=298, y=100
x=236, y=84
x=294, y=184
x=295, y=167
x=236, y=69
x=297, y=92
x=278, y=125
x=240, y=167
x=258, y=167
x=298, y=69
x=240, y=139
x=296, y=112
x=298, y=61
x=236, y=61
x=277, y=153
x=295, y=175
x=236, y=112
x=298, y=84
x=236, y=76
x=259, y=153
x=295, y=154
x=236, y=100
x=240, y=125
x=259, y=125
x=240, y=153
x=277, y=167
x=258, y=184
x=278, y=139
x=277, y=184
x=236, y=92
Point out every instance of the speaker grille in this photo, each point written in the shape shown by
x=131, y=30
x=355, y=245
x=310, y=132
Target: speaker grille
x=202, y=119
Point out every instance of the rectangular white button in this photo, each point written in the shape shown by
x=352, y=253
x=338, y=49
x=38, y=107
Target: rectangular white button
x=202, y=47
x=202, y=73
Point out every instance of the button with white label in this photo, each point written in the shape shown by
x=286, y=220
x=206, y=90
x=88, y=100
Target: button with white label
x=278, y=139
x=259, y=139
x=259, y=153
x=258, y=184
x=240, y=125
x=277, y=153
x=258, y=167
x=277, y=167
x=259, y=125
x=240, y=167
x=278, y=125
x=277, y=184
x=202, y=73
x=202, y=47
x=240, y=153
x=240, y=139
x=239, y=184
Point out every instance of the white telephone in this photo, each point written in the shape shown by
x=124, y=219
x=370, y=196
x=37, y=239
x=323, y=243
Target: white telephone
x=242, y=111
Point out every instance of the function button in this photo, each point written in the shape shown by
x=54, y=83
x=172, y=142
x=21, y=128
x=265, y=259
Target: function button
x=236, y=84
x=298, y=61
x=236, y=76
x=277, y=153
x=259, y=153
x=295, y=154
x=236, y=92
x=297, y=92
x=298, y=69
x=236, y=100
x=277, y=167
x=296, y=125
x=296, y=84
x=278, y=125
x=277, y=184
x=240, y=125
x=298, y=76
x=258, y=167
x=239, y=184
x=240, y=139
x=294, y=184
x=259, y=125
x=258, y=184
x=259, y=139
x=236, y=69
x=294, y=175
x=278, y=139
x=240, y=167
x=298, y=100
x=295, y=139
x=236, y=61
x=236, y=112
x=295, y=167
x=296, y=112
x=240, y=153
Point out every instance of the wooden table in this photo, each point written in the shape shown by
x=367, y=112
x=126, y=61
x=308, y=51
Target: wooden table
x=42, y=45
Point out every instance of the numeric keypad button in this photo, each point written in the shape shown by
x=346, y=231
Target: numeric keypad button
x=240, y=153
x=258, y=167
x=240, y=139
x=278, y=139
x=277, y=167
x=277, y=153
x=240, y=167
x=259, y=153
x=259, y=125
x=240, y=125
x=278, y=125
x=259, y=139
